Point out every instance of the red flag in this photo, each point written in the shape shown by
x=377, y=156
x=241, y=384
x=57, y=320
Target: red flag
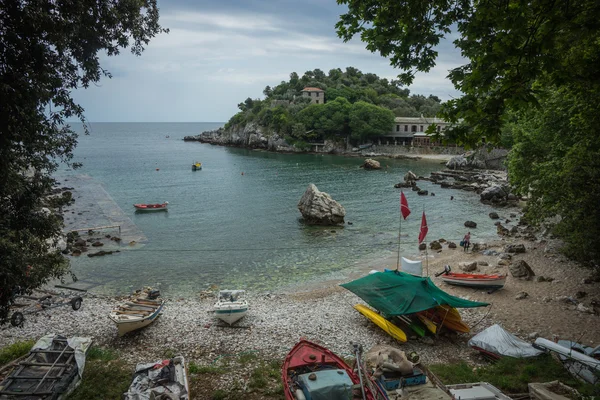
x=404, y=205
x=424, y=228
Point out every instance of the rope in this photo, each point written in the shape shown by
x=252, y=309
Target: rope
x=490, y=309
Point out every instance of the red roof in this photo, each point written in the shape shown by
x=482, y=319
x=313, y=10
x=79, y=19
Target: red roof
x=312, y=89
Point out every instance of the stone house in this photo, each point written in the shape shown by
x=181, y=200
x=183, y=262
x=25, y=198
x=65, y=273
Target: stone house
x=411, y=130
x=316, y=95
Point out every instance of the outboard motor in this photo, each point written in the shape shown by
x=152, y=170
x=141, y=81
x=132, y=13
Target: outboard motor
x=153, y=294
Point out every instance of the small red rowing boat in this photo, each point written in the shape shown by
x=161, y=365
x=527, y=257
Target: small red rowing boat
x=151, y=207
x=311, y=371
x=484, y=281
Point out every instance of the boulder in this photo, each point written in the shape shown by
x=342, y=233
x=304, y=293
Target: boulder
x=457, y=162
x=422, y=192
x=97, y=244
x=515, y=248
x=521, y=269
x=494, y=192
x=410, y=177
x=505, y=256
x=503, y=262
x=494, y=215
x=470, y=224
x=468, y=266
x=371, y=164
x=521, y=295
x=80, y=243
x=478, y=247
x=483, y=263
x=318, y=208
x=435, y=245
x=423, y=246
x=502, y=231
x=451, y=245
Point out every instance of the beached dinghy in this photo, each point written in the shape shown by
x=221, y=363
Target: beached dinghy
x=231, y=305
x=151, y=207
x=483, y=281
x=312, y=372
x=138, y=311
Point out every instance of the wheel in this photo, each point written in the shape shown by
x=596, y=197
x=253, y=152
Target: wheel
x=76, y=303
x=17, y=319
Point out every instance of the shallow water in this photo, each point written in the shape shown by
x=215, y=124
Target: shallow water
x=243, y=230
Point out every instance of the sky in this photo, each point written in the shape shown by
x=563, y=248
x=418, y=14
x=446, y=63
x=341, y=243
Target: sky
x=218, y=53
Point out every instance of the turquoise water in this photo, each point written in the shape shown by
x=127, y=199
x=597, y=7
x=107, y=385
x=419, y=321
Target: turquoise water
x=238, y=230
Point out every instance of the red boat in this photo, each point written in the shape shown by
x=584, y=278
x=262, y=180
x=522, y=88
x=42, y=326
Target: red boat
x=484, y=281
x=151, y=207
x=311, y=371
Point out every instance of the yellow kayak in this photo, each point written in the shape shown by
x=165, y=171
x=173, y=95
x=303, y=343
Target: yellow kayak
x=449, y=312
x=427, y=322
x=381, y=322
x=449, y=321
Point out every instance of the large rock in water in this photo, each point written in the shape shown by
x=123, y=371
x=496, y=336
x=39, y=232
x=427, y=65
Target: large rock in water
x=371, y=164
x=318, y=208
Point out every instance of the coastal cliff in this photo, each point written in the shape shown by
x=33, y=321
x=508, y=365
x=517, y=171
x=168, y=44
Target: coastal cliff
x=250, y=136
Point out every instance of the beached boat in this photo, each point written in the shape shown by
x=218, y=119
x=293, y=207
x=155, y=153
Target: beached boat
x=484, y=281
x=231, y=305
x=581, y=361
x=381, y=322
x=138, y=311
x=161, y=379
x=197, y=166
x=313, y=372
x=151, y=207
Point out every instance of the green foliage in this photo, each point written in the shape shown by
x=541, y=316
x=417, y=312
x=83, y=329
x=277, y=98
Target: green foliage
x=14, y=351
x=369, y=120
x=556, y=162
x=104, y=376
x=508, y=47
x=48, y=49
x=286, y=112
x=511, y=375
x=194, y=368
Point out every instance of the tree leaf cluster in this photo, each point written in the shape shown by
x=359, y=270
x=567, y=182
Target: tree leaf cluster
x=358, y=106
x=530, y=80
x=48, y=49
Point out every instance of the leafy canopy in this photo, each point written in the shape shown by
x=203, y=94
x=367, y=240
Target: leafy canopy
x=47, y=49
x=509, y=45
x=285, y=111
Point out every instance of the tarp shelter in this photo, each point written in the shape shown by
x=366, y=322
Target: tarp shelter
x=498, y=341
x=397, y=293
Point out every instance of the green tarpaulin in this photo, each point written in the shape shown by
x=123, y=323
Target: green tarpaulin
x=397, y=293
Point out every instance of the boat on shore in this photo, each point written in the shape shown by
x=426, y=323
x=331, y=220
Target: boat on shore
x=151, y=207
x=231, y=305
x=389, y=327
x=484, y=281
x=311, y=371
x=137, y=312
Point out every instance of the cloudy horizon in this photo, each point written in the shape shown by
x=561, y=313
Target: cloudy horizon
x=218, y=54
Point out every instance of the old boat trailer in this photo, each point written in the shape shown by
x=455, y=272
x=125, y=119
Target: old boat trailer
x=42, y=300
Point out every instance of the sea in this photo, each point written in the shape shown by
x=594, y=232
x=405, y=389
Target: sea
x=236, y=223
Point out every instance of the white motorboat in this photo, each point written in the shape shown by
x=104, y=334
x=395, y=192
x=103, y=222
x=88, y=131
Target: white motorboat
x=231, y=305
x=137, y=312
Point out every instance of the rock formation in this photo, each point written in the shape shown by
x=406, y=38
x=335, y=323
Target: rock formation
x=318, y=208
x=371, y=164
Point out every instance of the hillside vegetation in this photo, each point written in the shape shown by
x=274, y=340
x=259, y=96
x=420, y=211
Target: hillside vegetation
x=358, y=106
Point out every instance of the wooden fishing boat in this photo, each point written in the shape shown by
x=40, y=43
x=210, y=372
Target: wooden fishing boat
x=484, y=281
x=231, y=305
x=381, y=322
x=313, y=372
x=151, y=207
x=136, y=312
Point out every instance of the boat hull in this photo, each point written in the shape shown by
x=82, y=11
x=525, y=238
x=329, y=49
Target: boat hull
x=126, y=326
x=150, y=207
x=475, y=280
x=381, y=322
x=308, y=356
x=232, y=315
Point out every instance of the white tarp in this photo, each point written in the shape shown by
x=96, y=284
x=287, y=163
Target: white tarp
x=412, y=267
x=79, y=344
x=498, y=341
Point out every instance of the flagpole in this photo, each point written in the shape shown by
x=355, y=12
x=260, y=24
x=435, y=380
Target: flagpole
x=426, y=256
x=399, y=236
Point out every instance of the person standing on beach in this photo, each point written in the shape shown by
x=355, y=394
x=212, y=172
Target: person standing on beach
x=467, y=241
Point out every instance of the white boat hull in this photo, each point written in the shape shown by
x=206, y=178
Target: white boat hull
x=130, y=325
x=230, y=314
x=481, y=283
